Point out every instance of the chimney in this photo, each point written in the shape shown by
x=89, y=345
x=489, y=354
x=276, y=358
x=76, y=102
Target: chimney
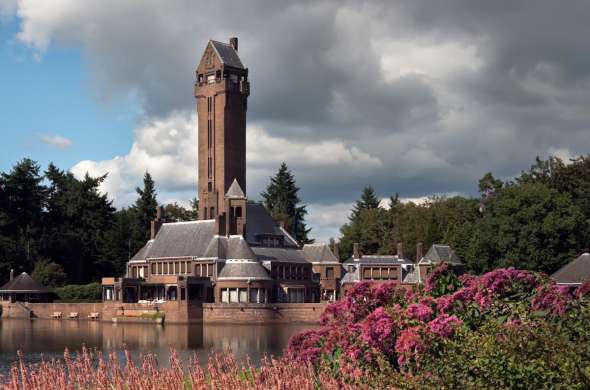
x=356, y=254
x=233, y=42
x=336, y=250
x=419, y=251
x=11, y=274
x=400, y=250
x=156, y=224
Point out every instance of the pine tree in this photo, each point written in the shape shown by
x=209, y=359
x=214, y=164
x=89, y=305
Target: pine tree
x=145, y=208
x=367, y=201
x=283, y=203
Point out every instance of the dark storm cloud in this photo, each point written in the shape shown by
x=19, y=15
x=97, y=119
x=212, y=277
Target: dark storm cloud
x=364, y=74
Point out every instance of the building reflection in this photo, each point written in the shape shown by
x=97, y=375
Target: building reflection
x=51, y=337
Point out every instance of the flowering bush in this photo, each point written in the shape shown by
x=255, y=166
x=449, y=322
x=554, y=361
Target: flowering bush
x=415, y=338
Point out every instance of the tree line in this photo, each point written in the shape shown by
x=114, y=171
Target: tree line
x=63, y=230
x=539, y=220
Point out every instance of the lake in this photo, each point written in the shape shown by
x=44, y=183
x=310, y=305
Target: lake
x=49, y=338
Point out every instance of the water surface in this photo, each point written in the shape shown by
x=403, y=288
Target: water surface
x=49, y=338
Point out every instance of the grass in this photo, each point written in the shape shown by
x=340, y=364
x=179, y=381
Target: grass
x=93, y=370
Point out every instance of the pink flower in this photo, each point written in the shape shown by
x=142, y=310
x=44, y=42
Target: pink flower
x=419, y=311
x=583, y=290
x=409, y=345
x=553, y=299
x=377, y=330
x=444, y=325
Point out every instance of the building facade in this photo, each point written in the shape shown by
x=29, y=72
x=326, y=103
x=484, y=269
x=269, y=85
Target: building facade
x=236, y=253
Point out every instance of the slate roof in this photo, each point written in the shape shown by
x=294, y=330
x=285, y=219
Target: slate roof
x=575, y=272
x=259, y=221
x=243, y=270
x=180, y=239
x=319, y=253
x=284, y=255
x=440, y=253
x=227, y=54
x=23, y=283
x=235, y=191
x=378, y=260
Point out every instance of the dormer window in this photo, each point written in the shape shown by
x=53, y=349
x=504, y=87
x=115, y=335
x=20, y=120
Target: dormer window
x=210, y=78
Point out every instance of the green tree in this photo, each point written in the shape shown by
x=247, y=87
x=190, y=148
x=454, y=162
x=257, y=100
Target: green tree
x=49, y=274
x=530, y=226
x=22, y=200
x=368, y=225
x=282, y=201
x=76, y=224
x=145, y=210
x=176, y=213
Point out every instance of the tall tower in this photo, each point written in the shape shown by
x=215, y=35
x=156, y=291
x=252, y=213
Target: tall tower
x=222, y=91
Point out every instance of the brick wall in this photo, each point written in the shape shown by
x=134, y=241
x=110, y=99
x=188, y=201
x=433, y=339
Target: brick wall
x=271, y=313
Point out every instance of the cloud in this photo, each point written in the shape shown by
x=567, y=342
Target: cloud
x=56, y=141
x=412, y=97
x=166, y=148
x=7, y=9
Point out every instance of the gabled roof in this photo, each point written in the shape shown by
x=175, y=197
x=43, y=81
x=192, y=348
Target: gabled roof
x=180, y=239
x=575, y=272
x=243, y=270
x=281, y=255
x=227, y=54
x=23, y=283
x=319, y=253
x=440, y=253
x=235, y=191
x=259, y=222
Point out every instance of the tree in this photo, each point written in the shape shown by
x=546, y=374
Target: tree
x=76, y=224
x=49, y=274
x=368, y=225
x=530, y=226
x=22, y=200
x=489, y=185
x=282, y=202
x=176, y=213
x=367, y=201
x=145, y=208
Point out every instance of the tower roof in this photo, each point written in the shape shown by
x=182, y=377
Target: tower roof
x=575, y=272
x=227, y=54
x=235, y=191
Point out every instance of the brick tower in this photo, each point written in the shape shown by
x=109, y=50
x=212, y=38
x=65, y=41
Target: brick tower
x=222, y=91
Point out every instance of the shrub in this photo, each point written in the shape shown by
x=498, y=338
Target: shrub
x=505, y=329
x=79, y=292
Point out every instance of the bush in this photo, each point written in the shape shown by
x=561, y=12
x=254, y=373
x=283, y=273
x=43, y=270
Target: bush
x=49, y=274
x=79, y=292
x=505, y=329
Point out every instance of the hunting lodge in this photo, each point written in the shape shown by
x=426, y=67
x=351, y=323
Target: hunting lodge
x=236, y=253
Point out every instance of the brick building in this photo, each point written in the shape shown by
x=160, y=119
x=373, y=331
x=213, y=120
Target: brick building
x=236, y=252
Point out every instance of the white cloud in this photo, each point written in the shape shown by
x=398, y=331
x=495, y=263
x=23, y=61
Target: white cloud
x=166, y=148
x=56, y=140
x=326, y=220
x=7, y=9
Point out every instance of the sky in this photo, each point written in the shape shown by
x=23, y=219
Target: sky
x=412, y=97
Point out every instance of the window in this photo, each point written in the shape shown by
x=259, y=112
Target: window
x=233, y=295
x=183, y=267
x=154, y=265
x=209, y=270
x=296, y=295
x=243, y=295
x=366, y=273
x=159, y=268
x=329, y=272
x=210, y=78
x=224, y=295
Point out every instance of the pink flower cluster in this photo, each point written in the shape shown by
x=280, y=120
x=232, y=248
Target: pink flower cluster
x=382, y=323
x=553, y=299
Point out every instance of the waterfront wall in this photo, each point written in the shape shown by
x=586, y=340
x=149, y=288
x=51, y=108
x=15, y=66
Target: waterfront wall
x=175, y=312
x=269, y=313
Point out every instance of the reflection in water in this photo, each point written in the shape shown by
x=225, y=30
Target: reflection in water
x=49, y=338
